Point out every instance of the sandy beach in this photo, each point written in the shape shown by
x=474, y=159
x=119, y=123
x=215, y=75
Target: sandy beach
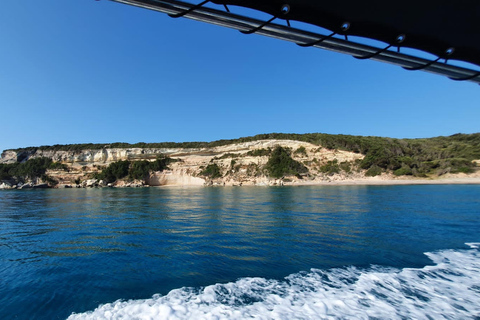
x=385, y=180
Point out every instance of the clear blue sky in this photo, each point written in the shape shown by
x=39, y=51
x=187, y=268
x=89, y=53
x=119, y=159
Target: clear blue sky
x=78, y=71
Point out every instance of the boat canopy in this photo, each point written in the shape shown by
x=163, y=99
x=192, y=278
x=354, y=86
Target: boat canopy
x=445, y=28
x=449, y=30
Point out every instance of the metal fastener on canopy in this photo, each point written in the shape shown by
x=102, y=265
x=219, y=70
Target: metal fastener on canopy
x=446, y=29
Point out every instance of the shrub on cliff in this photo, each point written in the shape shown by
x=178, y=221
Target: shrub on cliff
x=58, y=166
x=115, y=171
x=212, y=171
x=346, y=166
x=259, y=152
x=330, y=168
x=33, y=168
x=281, y=163
x=4, y=172
x=139, y=170
x=161, y=163
x=133, y=169
x=301, y=151
x=373, y=171
x=29, y=170
x=403, y=171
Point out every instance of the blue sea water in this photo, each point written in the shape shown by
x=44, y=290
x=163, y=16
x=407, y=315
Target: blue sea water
x=310, y=252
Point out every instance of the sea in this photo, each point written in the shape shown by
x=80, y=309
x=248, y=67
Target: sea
x=303, y=252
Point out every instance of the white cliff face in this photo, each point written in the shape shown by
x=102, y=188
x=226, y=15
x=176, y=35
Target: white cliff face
x=236, y=166
x=8, y=156
x=106, y=155
x=173, y=178
x=92, y=156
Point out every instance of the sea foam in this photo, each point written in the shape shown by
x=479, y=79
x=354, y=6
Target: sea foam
x=448, y=289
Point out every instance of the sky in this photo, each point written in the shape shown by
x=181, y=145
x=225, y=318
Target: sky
x=85, y=71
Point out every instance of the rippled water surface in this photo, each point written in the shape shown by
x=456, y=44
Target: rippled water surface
x=71, y=251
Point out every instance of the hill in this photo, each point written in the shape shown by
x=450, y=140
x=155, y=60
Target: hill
x=259, y=159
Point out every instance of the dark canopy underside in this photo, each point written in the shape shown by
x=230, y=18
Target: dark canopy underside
x=434, y=26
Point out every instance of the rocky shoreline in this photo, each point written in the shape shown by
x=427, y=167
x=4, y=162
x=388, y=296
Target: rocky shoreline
x=381, y=181
x=91, y=183
x=20, y=186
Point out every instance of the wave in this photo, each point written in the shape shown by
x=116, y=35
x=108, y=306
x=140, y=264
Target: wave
x=448, y=289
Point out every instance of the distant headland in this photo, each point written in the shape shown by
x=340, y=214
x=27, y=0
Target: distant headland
x=266, y=159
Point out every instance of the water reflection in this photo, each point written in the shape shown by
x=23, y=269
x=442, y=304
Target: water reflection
x=132, y=243
x=314, y=220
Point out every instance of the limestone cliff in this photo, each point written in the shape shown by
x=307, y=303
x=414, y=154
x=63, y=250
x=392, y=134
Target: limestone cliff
x=238, y=164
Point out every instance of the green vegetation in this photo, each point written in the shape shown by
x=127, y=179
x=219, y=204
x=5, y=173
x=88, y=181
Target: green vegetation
x=403, y=171
x=346, y=166
x=32, y=169
x=212, y=171
x=301, y=151
x=330, y=168
x=58, y=166
x=281, y=163
x=253, y=170
x=115, y=171
x=417, y=157
x=226, y=156
x=373, y=171
x=139, y=170
x=133, y=170
x=259, y=152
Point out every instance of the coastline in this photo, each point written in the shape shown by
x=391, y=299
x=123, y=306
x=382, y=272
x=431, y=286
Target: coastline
x=374, y=181
x=244, y=163
x=383, y=180
x=390, y=182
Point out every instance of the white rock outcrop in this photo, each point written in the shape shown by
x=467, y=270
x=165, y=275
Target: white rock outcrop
x=5, y=185
x=169, y=178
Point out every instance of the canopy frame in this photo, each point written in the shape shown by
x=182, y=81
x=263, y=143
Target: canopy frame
x=225, y=18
